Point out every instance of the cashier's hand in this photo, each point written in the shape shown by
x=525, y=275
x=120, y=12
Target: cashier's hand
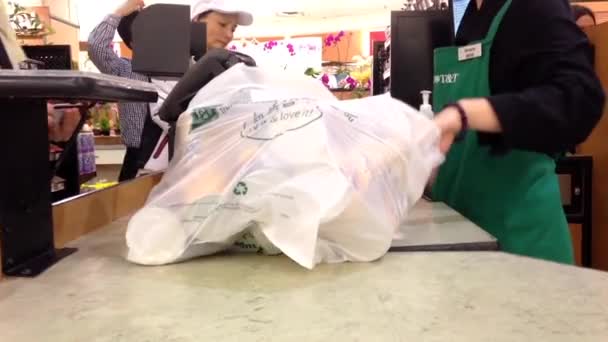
x=61, y=128
x=52, y=122
x=449, y=124
x=129, y=7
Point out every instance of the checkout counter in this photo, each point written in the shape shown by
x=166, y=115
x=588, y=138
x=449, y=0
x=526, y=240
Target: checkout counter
x=95, y=294
x=443, y=279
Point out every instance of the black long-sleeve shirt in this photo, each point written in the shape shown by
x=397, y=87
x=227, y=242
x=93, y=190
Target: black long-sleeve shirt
x=544, y=89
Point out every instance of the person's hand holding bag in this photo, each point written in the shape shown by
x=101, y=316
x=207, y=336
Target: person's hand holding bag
x=450, y=125
x=476, y=114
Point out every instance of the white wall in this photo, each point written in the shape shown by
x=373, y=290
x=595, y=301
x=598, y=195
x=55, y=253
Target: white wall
x=64, y=9
x=26, y=3
x=296, y=26
x=333, y=16
x=64, y=34
x=91, y=12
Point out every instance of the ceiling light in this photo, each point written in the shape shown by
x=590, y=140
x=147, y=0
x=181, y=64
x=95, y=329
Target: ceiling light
x=289, y=14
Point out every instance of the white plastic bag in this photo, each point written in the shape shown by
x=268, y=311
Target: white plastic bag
x=159, y=160
x=272, y=162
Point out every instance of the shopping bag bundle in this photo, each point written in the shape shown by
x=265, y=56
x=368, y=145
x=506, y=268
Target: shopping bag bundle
x=272, y=162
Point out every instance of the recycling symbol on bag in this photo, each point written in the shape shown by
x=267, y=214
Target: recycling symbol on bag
x=240, y=189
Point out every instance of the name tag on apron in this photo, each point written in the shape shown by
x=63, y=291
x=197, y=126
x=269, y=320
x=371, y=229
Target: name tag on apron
x=469, y=52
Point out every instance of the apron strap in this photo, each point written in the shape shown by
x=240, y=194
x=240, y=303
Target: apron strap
x=497, y=20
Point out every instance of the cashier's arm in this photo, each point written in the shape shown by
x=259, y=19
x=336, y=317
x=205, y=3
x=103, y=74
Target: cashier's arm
x=556, y=98
x=480, y=117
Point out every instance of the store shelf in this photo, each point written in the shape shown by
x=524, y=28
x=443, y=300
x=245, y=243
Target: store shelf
x=387, y=64
x=57, y=184
x=110, y=154
x=386, y=74
x=108, y=140
x=54, y=156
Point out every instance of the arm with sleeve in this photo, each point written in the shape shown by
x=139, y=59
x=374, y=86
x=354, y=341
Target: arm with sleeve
x=560, y=99
x=132, y=115
x=101, y=52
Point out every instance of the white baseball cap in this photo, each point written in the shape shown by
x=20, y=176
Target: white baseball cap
x=223, y=6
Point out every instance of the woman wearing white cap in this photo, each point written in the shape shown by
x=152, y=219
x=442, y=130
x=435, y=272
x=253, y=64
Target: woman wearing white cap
x=222, y=18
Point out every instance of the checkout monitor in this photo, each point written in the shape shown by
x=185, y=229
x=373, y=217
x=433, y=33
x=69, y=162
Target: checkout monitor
x=418, y=34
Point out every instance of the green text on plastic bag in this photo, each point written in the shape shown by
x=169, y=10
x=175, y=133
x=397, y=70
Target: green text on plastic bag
x=202, y=116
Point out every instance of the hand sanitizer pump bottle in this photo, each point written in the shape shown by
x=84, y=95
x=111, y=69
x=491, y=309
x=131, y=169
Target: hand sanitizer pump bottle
x=425, y=108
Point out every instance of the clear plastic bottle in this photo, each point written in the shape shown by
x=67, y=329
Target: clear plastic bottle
x=426, y=108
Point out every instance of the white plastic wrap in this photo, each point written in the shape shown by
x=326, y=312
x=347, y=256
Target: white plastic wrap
x=272, y=162
x=159, y=160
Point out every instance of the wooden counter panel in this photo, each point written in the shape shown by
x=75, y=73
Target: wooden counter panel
x=75, y=218
x=79, y=216
x=596, y=147
x=576, y=231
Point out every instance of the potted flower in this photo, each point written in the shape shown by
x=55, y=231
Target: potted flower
x=105, y=126
x=338, y=68
x=27, y=24
x=101, y=115
x=361, y=76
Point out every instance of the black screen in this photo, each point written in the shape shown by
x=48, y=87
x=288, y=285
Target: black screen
x=414, y=36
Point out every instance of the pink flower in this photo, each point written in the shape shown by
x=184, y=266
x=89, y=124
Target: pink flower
x=291, y=50
x=325, y=79
x=352, y=83
x=332, y=40
x=338, y=37
x=270, y=44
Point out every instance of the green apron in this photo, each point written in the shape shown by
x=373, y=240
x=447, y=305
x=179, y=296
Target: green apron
x=515, y=196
